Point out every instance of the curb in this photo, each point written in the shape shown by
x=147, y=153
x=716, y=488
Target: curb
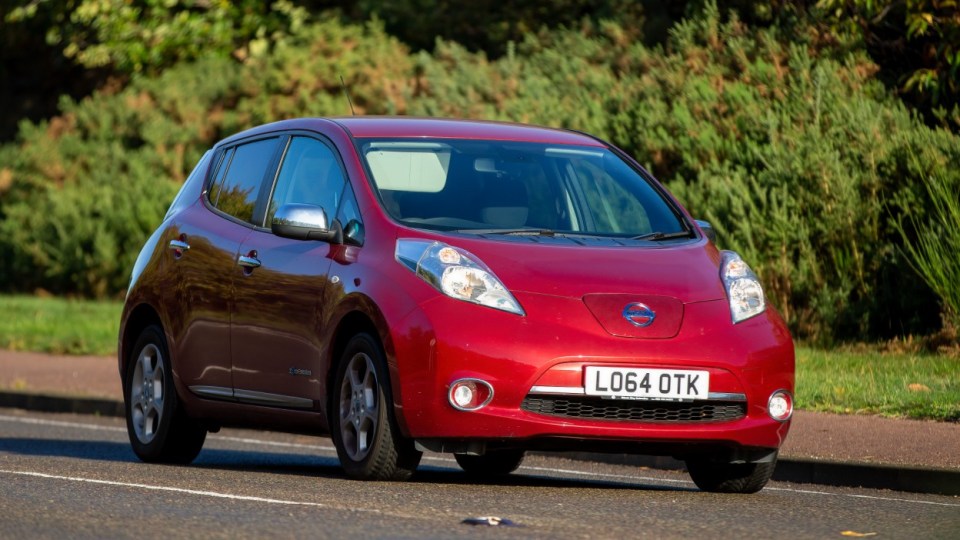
x=61, y=404
x=798, y=470
x=926, y=480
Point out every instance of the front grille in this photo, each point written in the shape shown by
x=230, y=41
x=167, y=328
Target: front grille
x=636, y=411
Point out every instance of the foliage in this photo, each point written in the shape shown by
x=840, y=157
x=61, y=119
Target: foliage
x=917, y=41
x=490, y=25
x=34, y=74
x=934, y=247
x=800, y=158
x=148, y=35
x=79, y=194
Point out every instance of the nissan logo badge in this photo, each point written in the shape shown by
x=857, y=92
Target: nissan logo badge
x=639, y=314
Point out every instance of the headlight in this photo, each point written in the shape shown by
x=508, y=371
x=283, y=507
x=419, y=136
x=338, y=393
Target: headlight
x=456, y=273
x=743, y=287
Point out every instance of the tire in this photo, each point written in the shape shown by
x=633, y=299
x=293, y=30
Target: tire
x=730, y=477
x=365, y=432
x=494, y=463
x=159, y=429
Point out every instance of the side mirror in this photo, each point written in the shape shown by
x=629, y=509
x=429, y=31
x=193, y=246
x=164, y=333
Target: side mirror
x=305, y=222
x=708, y=230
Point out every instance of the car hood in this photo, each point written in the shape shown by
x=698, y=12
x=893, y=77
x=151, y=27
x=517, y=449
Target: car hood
x=687, y=271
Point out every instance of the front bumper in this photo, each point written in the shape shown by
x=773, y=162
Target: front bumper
x=540, y=358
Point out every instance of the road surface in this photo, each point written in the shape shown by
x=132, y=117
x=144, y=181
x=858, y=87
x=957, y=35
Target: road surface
x=70, y=476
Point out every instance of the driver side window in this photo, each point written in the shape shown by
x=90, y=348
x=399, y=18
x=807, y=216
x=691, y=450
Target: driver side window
x=310, y=174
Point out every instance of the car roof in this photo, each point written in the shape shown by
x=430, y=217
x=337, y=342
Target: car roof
x=448, y=128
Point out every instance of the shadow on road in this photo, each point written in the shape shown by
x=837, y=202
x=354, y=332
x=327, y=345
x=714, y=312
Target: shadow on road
x=96, y=450
x=304, y=465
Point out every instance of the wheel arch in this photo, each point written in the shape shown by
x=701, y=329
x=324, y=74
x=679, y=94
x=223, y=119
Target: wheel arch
x=360, y=315
x=352, y=323
x=140, y=317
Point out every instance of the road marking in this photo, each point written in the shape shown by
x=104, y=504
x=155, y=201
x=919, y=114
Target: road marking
x=245, y=440
x=261, y=442
x=41, y=422
x=215, y=494
x=858, y=496
x=603, y=475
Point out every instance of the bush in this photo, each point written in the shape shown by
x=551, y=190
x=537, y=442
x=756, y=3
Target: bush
x=934, y=244
x=79, y=194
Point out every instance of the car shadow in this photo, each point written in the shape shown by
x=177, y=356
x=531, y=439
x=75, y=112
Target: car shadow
x=428, y=474
x=93, y=450
x=304, y=465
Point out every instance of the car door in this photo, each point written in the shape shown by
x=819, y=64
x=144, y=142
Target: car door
x=210, y=234
x=275, y=339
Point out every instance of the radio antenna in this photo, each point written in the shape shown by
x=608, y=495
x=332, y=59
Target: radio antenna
x=346, y=93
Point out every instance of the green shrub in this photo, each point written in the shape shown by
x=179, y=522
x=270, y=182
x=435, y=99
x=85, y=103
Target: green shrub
x=79, y=194
x=933, y=245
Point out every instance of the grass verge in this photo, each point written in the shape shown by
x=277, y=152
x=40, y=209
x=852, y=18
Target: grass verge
x=923, y=386
x=59, y=326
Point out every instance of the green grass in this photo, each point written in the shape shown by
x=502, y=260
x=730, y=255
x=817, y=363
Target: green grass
x=890, y=384
x=60, y=326
x=910, y=385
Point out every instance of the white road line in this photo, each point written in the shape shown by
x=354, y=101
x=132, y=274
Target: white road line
x=41, y=422
x=622, y=477
x=857, y=496
x=245, y=440
x=184, y=490
x=604, y=475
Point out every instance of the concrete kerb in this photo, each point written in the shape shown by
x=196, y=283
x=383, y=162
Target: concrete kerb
x=798, y=470
x=815, y=471
x=61, y=404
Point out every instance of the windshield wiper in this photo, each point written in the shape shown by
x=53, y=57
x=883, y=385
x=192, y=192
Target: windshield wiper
x=657, y=236
x=510, y=232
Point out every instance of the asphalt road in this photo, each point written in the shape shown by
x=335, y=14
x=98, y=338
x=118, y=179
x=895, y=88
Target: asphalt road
x=68, y=476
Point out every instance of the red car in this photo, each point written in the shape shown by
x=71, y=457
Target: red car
x=476, y=288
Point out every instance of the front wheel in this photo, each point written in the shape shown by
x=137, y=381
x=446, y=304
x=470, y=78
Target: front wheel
x=159, y=429
x=493, y=463
x=365, y=432
x=730, y=477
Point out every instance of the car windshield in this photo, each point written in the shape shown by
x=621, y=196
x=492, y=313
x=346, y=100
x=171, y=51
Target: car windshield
x=516, y=188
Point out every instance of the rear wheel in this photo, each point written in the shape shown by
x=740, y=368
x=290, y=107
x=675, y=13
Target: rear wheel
x=159, y=429
x=730, y=477
x=493, y=463
x=365, y=432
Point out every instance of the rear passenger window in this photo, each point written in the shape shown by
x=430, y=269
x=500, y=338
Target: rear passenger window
x=214, y=192
x=237, y=193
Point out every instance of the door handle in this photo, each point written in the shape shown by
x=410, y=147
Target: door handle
x=249, y=260
x=179, y=246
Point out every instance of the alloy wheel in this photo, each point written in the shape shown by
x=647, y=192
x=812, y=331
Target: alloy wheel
x=359, y=406
x=147, y=393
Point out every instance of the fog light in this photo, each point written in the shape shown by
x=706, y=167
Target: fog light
x=463, y=396
x=470, y=394
x=780, y=406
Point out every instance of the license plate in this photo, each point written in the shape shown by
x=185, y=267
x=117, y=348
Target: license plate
x=662, y=384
